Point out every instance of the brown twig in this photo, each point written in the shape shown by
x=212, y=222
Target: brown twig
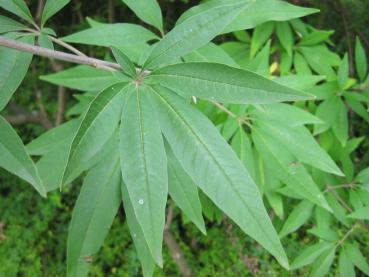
x=174, y=248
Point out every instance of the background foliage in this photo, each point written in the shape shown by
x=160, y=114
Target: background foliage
x=33, y=231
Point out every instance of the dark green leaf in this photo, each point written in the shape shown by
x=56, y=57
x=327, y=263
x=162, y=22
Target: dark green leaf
x=223, y=83
x=215, y=168
x=184, y=191
x=18, y=7
x=15, y=159
x=126, y=64
x=51, y=8
x=13, y=67
x=97, y=126
x=148, y=11
x=360, y=60
x=9, y=25
x=93, y=214
x=299, y=215
x=195, y=32
x=81, y=77
x=144, y=166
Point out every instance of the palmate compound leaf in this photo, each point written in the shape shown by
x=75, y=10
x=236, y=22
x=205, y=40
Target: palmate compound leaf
x=144, y=166
x=93, y=214
x=195, y=32
x=97, y=126
x=223, y=83
x=15, y=159
x=215, y=168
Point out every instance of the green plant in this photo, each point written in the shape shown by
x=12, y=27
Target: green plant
x=167, y=146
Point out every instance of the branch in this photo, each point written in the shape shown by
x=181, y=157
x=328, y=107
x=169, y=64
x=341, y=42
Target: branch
x=44, y=52
x=174, y=248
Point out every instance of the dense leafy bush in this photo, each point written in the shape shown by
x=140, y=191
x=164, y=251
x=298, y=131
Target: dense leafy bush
x=140, y=133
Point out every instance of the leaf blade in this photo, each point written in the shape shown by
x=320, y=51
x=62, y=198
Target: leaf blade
x=15, y=159
x=223, y=83
x=174, y=117
x=143, y=164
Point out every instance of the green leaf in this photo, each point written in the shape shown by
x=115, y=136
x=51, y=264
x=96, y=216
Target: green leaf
x=13, y=67
x=184, y=191
x=343, y=72
x=280, y=111
x=346, y=267
x=108, y=35
x=9, y=25
x=242, y=146
x=18, y=7
x=324, y=233
x=285, y=36
x=57, y=159
x=299, y=215
x=194, y=32
x=45, y=42
x=323, y=263
x=137, y=234
x=357, y=107
x=357, y=258
x=144, y=166
x=81, y=77
x=363, y=176
x=301, y=65
x=51, y=8
x=314, y=56
x=210, y=53
x=15, y=159
x=315, y=37
x=328, y=112
x=360, y=60
x=258, y=12
x=340, y=124
x=93, y=214
x=126, y=64
x=215, y=168
x=223, y=83
x=362, y=213
x=283, y=165
x=51, y=139
x=260, y=36
x=310, y=254
x=301, y=144
x=148, y=11
x=97, y=126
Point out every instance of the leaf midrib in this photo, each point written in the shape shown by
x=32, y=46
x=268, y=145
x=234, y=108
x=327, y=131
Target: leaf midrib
x=228, y=84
